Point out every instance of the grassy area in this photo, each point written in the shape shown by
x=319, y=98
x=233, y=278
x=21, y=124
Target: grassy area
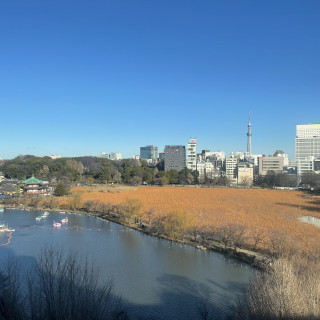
x=253, y=219
x=269, y=213
x=105, y=188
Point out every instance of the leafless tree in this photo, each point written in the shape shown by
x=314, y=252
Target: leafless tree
x=65, y=286
x=11, y=301
x=289, y=289
x=256, y=238
x=231, y=235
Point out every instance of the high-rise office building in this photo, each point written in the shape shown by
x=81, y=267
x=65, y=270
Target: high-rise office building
x=307, y=141
x=149, y=152
x=192, y=154
x=174, y=158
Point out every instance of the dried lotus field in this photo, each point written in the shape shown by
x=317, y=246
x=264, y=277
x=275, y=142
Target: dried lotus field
x=272, y=213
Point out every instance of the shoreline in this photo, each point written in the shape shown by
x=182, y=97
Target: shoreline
x=254, y=259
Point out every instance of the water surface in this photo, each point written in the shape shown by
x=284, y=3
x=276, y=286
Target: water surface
x=156, y=278
x=312, y=220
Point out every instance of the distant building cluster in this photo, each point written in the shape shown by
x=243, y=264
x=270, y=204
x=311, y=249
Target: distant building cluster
x=240, y=168
x=112, y=155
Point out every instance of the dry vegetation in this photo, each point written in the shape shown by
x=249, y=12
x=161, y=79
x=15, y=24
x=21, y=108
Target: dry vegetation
x=108, y=188
x=255, y=219
x=272, y=213
x=290, y=289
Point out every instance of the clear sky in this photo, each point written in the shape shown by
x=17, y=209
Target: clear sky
x=85, y=77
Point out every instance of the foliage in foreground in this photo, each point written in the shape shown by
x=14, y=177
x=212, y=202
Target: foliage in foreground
x=58, y=286
x=289, y=289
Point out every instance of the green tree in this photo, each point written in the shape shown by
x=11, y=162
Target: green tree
x=60, y=190
x=173, y=175
x=13, y=171
x=148, y=177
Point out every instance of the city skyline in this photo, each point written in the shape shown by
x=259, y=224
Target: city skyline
x=80, y=79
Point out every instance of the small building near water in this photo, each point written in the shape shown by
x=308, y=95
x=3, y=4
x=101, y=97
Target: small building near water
x=35, y=186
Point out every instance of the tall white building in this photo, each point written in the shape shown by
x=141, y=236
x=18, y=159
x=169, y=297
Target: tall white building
x=305, y=165
x=231, y=168
x=307, y=141
x=192, y=154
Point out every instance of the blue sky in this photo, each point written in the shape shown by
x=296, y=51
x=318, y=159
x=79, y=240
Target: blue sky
x=85, y=77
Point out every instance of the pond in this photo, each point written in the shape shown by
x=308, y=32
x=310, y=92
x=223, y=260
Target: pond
x=155, y=277
x=312, y=220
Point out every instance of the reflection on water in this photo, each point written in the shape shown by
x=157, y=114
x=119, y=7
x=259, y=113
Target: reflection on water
x=312, y=220
x=156, y=278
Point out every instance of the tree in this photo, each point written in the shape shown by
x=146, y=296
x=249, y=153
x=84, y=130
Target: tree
x=148, y=177
x=231, y=235
x=75, y=201
x=178, y=222
x=131, y=209
x=286, y=290
x=144, y=163
x=172, y=175
x=50, y=202
x=104, y=175
x=11, y=301
x=12, y=171
x=185, y=176
x=223, y=181
x=195, y=175
x=44, y=172
x=311, y=179
x=136, y=180
x=60, y=190
x=66, y=286
x=163, y=181
x=117, y=177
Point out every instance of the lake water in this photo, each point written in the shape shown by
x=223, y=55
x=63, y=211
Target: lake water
x=156, y=278
x=312, y=220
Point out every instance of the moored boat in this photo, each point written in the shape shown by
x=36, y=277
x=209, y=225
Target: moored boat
x=56, y=224
x=4, y=227
x=65, y=220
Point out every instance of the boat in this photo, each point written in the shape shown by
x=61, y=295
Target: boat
x=39, y=218
x=65, y=220
x=44, y=215
x=62, y=212
x=4, y=227
x=1, y=209
x=56, y=224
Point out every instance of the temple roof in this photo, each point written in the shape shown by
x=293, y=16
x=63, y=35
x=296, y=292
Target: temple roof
x=32, y=180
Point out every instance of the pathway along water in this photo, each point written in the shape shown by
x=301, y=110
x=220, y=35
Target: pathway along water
x=155, y=277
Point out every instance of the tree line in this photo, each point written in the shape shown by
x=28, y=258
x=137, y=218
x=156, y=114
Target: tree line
x=91, y=170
